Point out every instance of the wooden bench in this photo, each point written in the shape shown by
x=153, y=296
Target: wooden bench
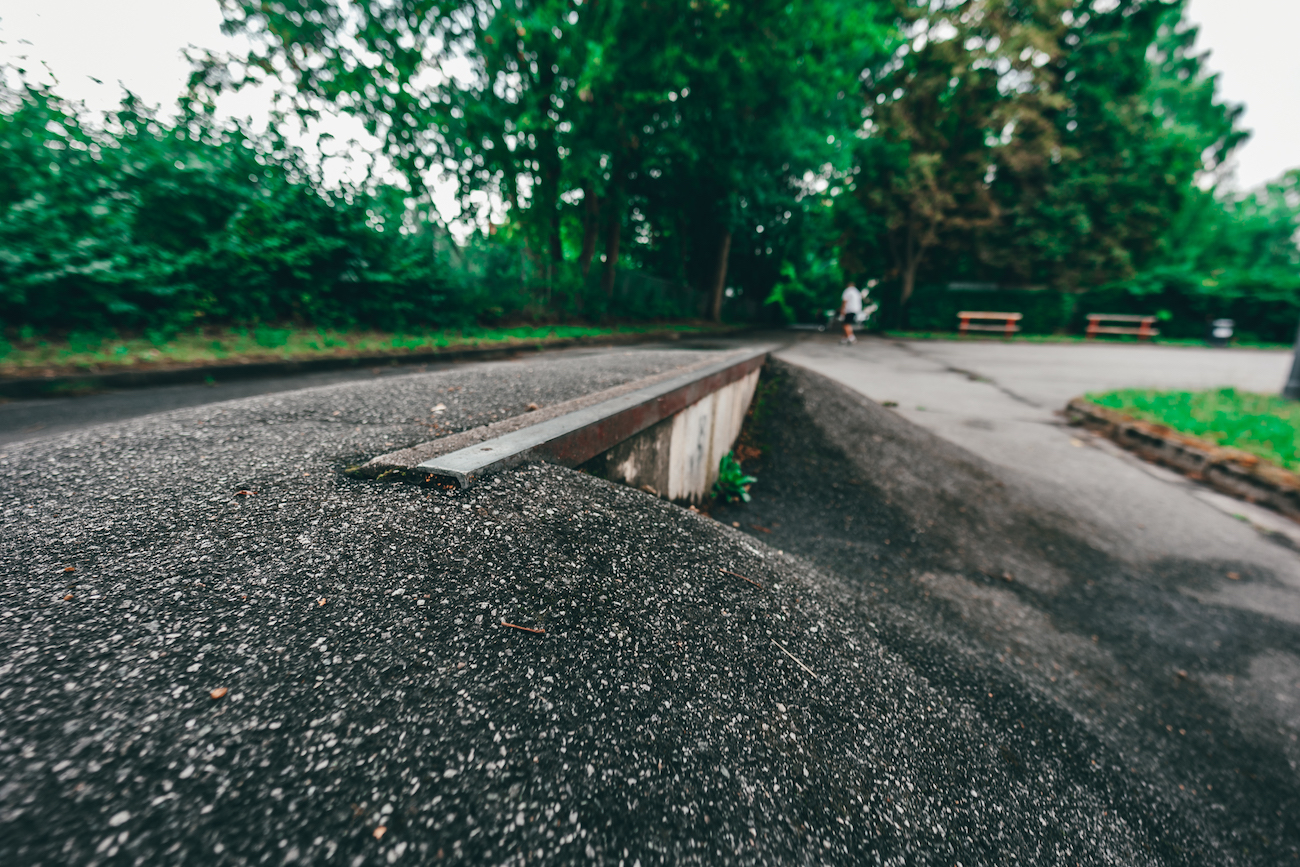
x=1008, y=326
x=1144, y=329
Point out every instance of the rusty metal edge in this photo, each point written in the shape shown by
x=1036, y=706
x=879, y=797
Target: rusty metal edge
x=579, y=436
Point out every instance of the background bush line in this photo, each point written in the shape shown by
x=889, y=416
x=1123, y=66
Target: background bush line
x=137, y=227
x=735, y=165
x=85, y=351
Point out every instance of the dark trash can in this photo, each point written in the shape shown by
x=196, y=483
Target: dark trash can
x=1220, y=332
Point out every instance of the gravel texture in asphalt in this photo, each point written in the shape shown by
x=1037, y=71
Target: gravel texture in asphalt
x=216, y=648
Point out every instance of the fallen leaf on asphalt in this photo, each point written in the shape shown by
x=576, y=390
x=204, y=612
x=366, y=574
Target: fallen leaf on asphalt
x=379, y=832
x=1234, y=576
x=67, y=598
x=219, y=692
x=321, y=601
x=532, y=407
x=70, y=569
x=242, y=493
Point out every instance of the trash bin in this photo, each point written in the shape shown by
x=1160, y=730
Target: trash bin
x=1220, y=332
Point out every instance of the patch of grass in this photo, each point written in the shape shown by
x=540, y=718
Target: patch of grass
x=986, y=337
x=1262, y=424
x=36, y=355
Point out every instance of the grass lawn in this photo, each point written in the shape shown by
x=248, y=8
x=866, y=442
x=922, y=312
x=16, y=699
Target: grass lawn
x=1262, y=424
x=987, y=336
x=103, y=354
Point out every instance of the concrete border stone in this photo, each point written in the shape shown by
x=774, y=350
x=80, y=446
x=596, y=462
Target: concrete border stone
x=1229, y=470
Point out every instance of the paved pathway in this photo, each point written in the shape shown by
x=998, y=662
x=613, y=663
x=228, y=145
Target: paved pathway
x=1002, y=402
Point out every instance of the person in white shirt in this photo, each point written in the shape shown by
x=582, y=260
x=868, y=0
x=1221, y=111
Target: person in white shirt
x=850, y=311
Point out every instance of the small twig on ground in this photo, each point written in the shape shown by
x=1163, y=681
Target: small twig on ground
x=524, y=628
x=741, y=577
x=795, y=658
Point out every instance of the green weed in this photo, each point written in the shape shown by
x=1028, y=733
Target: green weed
x=733, y=483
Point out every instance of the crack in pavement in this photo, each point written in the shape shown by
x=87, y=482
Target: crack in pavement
x=972, y=375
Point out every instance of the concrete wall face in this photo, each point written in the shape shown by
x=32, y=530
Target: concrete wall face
x=642, y=461
x=678, y=457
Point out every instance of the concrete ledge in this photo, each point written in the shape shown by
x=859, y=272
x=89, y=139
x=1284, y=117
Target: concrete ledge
x=573, y=433
x=46, y=386
x=1229, y=470
x=405, y=459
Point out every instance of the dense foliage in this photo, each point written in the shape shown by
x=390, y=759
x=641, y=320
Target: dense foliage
x=666, y=133
x=1063, y=146
x=663, y=158
x=139, y=224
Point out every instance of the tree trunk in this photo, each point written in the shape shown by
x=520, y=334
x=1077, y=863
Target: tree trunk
x=909, y=278
x=913, y=249
x=590, y=228
x=612, y=236
x=557, y=249
x=720, y=275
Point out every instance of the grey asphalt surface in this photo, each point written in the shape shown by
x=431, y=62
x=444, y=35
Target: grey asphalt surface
x=37, y=418
x=886, y=695
x=1002, y=402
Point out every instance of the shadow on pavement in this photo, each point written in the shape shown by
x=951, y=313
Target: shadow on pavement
x=1012, y=603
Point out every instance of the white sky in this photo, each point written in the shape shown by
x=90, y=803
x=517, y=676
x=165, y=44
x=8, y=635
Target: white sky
x=139, y=43
x=1253, y=45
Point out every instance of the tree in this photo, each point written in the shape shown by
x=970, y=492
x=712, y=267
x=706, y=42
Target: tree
x=1137, y=126
x=770, y=108
x=664, y=116
x=972, y=90
x=1050, y=143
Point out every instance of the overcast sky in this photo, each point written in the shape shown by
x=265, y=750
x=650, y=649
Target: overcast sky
x=139, y=43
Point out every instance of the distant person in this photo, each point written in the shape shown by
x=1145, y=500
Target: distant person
x=850, y=310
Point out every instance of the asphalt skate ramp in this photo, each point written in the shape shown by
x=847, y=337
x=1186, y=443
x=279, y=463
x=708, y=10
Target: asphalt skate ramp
x=220, y=649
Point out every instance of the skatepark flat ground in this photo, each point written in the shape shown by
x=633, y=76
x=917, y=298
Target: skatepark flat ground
x=1002, y=402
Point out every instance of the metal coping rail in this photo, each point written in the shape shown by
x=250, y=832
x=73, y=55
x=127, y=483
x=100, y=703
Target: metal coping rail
x=577, y=437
